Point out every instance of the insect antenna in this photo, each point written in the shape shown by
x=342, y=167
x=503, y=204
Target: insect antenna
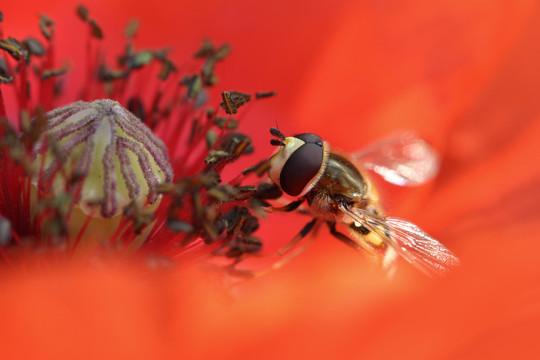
x=276, y=142
x=276, y=133
x=279, y=135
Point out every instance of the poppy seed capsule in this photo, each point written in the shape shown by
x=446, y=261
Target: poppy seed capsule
x=108, y=150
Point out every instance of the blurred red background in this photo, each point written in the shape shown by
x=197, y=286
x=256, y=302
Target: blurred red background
x=463, y=75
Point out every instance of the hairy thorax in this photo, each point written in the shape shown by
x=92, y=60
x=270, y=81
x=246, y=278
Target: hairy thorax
x=340, y=183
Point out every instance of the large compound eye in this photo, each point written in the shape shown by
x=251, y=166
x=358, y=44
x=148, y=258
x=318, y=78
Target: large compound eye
x=302, y=166
x=310, y=138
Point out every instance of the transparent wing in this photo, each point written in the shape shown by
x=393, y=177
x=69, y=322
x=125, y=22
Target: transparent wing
x=420, y=249
x=409, y=241
x=406, y=160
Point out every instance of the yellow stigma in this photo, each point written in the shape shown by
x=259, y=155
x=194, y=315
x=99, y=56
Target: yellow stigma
x=109, y=150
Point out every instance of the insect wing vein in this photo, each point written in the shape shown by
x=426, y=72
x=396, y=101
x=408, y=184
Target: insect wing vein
x=412, y=243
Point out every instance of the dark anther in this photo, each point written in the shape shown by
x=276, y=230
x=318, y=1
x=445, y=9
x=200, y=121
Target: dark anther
x=136, y=106
x=262, y=95
x=232, y=100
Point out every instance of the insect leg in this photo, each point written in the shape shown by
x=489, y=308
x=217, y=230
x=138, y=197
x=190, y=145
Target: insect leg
x=286, y=208
x=302, y=234
x=342, y=237
x=233, y=270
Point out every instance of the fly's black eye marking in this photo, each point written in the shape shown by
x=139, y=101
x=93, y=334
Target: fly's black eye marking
x=301, y=167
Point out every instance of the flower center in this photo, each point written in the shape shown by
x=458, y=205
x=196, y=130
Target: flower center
x=104, y=149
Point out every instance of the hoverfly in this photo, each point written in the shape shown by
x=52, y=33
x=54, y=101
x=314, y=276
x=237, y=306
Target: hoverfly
x=338, y=190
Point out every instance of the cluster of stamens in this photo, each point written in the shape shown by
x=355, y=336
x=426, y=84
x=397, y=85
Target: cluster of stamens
x=60, y=171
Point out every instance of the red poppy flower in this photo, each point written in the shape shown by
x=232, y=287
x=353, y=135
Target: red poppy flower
x=462, y=75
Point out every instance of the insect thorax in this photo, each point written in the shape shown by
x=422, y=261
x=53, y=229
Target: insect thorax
x=340, y=183
x=342, y=180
